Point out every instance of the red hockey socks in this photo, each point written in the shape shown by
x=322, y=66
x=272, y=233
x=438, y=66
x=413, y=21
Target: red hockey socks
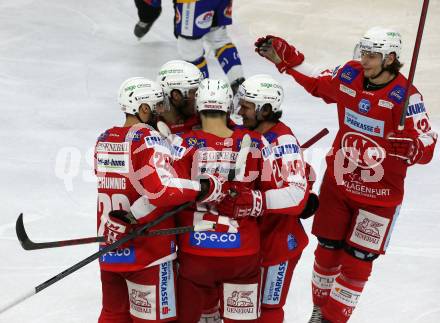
x=325, y=270
x=347, y=289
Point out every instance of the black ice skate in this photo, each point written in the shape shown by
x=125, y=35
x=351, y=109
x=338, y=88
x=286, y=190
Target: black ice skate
x=317, y=316
x=235, y=84
x=141, y=29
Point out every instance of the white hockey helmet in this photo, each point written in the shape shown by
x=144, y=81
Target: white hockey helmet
x=262, y=89
x=138, y=90
x=179, y=75
x=214, y=95
x=381, y=40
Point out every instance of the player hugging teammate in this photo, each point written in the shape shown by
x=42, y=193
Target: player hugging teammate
x=219, y=269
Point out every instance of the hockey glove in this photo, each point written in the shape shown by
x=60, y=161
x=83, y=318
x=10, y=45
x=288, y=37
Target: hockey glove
x=242, y=202
x=406, y=145
x=213, y=188
x=311, y=207
x=278, y=51
x=118, y=224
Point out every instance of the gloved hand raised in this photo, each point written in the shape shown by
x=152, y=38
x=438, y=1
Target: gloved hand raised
x=278, y=51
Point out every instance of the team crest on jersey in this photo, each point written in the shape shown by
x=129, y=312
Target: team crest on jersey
x=348, y=74
x=361, y=150
x=364, y=106
x=397, y=94
x=204, y=20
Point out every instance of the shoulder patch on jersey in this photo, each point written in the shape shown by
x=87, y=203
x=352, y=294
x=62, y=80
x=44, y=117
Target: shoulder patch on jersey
x=397, y=94
x=348, y=74
x=270, y=136
x=196, y=142
x=133, y=135
x=103, y=136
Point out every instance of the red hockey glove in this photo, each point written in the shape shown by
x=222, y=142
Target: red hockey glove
x=278, y=51
x=242, y=202
x=213, y=188
x=406, y=145
x=117, y=226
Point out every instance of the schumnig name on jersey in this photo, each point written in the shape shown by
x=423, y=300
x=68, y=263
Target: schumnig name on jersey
x=112, y=183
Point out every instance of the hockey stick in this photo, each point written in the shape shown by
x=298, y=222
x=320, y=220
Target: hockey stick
x=28, y=244
x=115, y=245
x=94, y=256
x=315, y=138
x=237, y=173
x=412, y=69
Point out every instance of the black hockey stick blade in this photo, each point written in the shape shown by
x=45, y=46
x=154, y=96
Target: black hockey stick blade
x=22, y=236
x=28, y=244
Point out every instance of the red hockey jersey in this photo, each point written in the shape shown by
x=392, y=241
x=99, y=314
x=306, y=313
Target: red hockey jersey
x=204, y=152
x=183, y=126
x=132, y=165
x=282, y=234
x=358, y=161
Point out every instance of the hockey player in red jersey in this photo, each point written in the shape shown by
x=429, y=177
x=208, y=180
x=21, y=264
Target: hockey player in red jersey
x=135, y=186
x=282, y=235
x=180, y=81
x=227, y=258
x=363, y=186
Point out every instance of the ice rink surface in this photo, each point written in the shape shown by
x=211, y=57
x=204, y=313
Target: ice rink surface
x=61, y=63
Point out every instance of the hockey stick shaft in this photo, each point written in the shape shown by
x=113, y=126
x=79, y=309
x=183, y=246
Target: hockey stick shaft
x=28, y=244
x=95, y=256
x=315, y=138
x=412, y=69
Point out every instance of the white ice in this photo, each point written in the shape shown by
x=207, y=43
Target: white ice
x=61, y=63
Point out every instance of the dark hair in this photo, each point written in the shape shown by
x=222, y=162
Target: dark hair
x=212, y=113
x=394, y=67
x=273, y=116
